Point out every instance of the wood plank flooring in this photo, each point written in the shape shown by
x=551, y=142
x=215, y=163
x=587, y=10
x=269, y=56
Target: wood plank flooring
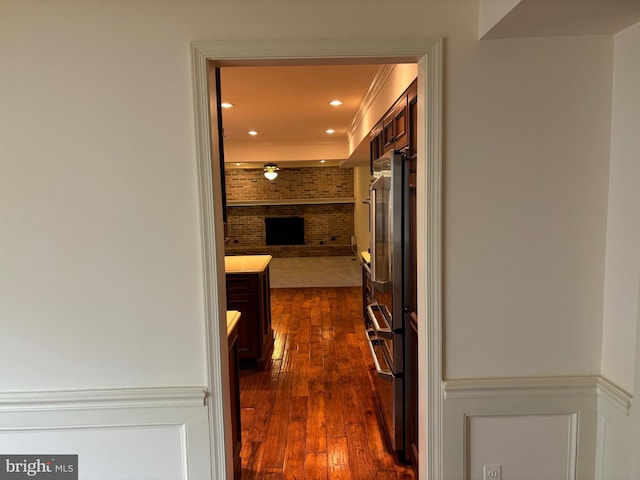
x=312, y=414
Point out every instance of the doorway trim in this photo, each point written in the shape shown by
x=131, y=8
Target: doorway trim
x=427, y=52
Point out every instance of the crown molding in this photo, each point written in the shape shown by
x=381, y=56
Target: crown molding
x=377, y=84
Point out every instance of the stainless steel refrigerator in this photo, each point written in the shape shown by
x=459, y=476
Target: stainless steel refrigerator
x=386, y=309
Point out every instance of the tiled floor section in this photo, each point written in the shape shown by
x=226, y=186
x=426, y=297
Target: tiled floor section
x=297, y=272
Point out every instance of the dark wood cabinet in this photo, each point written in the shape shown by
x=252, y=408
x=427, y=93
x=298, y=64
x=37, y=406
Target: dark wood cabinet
x=395, y=132
x=411, y=319
x=398, y=130
x=234, y=385
x=375, y=145
x=398, y=127
x=367, y=293
x=249, y=293
x=412, y=112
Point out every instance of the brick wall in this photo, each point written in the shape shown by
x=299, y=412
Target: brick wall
x=328, y=227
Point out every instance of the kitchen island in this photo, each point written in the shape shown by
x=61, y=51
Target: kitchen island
x=248, y=291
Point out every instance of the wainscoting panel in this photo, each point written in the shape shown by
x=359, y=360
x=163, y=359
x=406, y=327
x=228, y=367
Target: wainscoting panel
x=150, y=433
x=614, y=444
x=536, y=428
x=526, y=446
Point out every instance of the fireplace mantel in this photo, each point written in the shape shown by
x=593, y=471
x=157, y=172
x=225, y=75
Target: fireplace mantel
x=290, y=201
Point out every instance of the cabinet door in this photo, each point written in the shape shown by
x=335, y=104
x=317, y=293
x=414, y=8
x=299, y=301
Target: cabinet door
x=375, y=145
x=412, y=111
x=388, y=135
x=400, y=124
x=234, y=385
x=249, y=337
x=367, y=295
x=411, y=405
x=265, y=317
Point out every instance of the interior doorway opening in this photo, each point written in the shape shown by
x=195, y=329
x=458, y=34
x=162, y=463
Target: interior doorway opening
x=428, y=54
x=288, y=109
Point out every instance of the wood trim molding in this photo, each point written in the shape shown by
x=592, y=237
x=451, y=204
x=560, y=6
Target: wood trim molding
x=103, y=398
x=213, y=267
x=429, y=259
x=519, y=387
x=593, y=385
x=615, y=395
x=428, y=52
x=377, y=84
x=292, y=201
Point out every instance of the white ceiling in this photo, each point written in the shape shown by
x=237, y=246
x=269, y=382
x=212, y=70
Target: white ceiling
x=290, y=104
x=550, y=18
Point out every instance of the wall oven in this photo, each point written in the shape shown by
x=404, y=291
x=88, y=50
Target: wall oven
x=385, y=312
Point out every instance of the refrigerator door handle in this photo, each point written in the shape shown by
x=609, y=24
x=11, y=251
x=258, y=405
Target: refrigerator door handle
x=384, y=332
x=372, y=228
x=367, y=269
x=371, y=338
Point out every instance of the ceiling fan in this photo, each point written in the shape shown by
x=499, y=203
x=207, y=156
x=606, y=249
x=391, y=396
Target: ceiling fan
x=270, y=170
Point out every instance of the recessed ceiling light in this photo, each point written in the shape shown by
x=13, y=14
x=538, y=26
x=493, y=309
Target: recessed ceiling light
x=335, y=103
x=322, y=161
x=238, y=164
x=330, y=131
x=252, y=133
x=226, y=105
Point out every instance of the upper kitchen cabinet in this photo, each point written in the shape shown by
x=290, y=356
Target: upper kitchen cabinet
x=395, y=134
x=398, y=127
x=412, y=113
x=375, y=143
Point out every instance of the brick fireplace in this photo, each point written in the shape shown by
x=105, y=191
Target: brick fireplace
x=322, y=197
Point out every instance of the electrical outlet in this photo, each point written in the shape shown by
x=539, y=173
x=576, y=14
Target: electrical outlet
x=492, y=472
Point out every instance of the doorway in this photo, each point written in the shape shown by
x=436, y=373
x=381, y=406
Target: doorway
x=427, y=52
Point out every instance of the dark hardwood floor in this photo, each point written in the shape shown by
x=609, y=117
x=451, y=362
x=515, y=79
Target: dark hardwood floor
x=312, y=414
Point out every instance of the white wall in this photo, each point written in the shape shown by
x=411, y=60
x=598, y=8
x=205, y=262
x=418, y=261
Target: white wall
x=99, y=171
x=526, y=173
x=100, y=277
x=619, y=433
x=100, y=258
x=622, y=280
x=361, y=180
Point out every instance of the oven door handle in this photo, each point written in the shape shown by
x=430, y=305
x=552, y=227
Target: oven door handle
x=380, y=331
x=371, y=337
x=367, y=269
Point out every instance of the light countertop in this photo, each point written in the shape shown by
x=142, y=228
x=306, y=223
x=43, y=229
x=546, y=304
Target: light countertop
x=366, y=256
x=246, y=263
x=233, y=317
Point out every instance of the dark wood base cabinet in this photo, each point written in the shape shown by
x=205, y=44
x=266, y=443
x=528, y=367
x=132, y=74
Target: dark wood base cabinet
x=411, y=395
x=234, y=386
x=249, y=293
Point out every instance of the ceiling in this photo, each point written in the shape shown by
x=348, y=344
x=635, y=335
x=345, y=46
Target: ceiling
x=290, y=105
x=549, y=18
